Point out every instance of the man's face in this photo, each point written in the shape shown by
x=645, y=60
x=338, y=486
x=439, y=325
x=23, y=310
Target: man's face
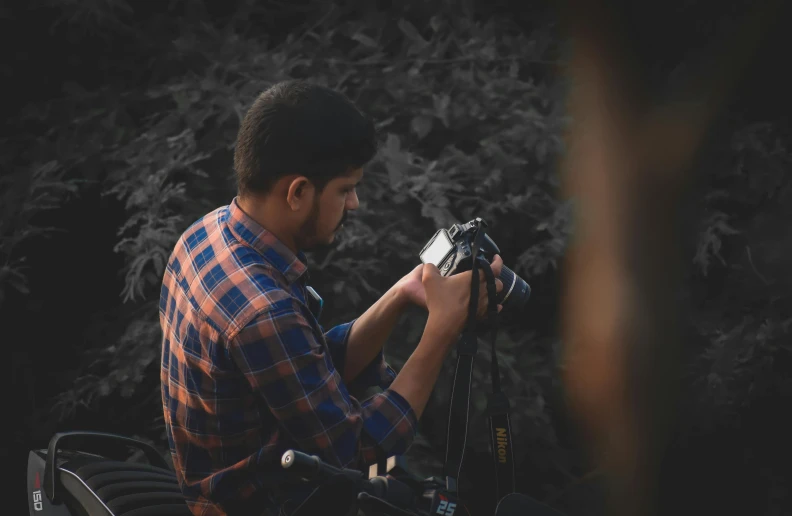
x=329, y=210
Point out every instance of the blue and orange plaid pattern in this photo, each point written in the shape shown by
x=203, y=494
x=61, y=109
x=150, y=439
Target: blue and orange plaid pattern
x=248, y=372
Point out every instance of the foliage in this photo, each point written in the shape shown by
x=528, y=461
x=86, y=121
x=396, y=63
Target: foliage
x=121, y=366
x=25, y=194
x=746, y=326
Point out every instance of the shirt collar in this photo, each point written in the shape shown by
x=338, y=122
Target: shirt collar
x=292, y=266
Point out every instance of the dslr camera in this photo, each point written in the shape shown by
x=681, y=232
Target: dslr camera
x=450, y=250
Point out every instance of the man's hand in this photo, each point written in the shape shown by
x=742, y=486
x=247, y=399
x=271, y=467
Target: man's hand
x=411, y=288
x=447, y=300
x=449, y=297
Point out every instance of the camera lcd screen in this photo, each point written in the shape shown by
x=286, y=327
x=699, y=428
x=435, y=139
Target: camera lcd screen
x=437, y=250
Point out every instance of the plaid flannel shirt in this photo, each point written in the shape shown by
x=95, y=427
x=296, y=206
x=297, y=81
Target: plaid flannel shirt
x=248, y=372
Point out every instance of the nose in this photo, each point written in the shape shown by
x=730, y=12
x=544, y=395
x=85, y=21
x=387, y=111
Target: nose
x=352, y=201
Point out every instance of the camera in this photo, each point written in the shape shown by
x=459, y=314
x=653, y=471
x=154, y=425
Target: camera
x=450, y=250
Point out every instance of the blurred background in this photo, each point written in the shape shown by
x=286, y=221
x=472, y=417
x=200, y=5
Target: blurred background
x=120, y=120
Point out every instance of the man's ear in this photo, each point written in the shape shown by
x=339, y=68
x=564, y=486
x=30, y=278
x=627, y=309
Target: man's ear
x=300, y=192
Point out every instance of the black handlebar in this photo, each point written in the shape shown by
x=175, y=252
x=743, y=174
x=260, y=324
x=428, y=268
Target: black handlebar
x=384, y=494
x=311, y=467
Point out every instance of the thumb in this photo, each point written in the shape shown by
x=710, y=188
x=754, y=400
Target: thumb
x=429, y=270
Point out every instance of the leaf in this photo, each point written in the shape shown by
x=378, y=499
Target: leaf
x=385, y=123
x=514, y=69
x=409, y=30
x=20, y=284
x=393, y=144
x=395, y=173
x=541, y=151
x=399, y=198
x=353, y=296
x=104, y=388
x=710, y=241
x=489, y=51
x=440, y=103
x=365, y=40
x=417, y=42
x=422, y=125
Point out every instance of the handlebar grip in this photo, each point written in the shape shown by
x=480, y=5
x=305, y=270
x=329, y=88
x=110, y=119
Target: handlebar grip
x=311, y=467
x=302, y=464
x=381, y=492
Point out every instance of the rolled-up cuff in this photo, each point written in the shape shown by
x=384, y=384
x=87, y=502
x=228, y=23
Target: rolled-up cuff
x=337, y=339
x=376, y=374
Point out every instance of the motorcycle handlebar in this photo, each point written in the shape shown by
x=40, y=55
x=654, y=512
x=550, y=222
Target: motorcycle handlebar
x=311, y=467
x=387, y=495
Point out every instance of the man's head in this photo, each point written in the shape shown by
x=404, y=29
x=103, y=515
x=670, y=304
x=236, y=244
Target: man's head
x=300, y=152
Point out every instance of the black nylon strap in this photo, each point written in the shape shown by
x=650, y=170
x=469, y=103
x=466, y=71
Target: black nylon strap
x=458, y=419
x=501, y=443
x=459, y=406
x=498, y=406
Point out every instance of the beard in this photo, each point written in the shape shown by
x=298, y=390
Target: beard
x=310, y=231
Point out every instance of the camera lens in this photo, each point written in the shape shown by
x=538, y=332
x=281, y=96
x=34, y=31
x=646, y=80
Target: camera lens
x=515, y=291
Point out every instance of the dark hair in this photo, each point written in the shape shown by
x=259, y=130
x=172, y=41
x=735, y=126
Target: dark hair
x=296, y=127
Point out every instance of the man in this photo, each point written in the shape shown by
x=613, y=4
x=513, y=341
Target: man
x=247, y=372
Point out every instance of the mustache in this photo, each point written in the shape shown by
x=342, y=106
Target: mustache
x=343, y=219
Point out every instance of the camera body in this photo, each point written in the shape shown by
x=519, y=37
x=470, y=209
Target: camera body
x=451, y=251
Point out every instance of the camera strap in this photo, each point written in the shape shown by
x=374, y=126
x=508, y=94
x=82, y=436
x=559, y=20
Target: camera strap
x=463, y=374
x=498, y=403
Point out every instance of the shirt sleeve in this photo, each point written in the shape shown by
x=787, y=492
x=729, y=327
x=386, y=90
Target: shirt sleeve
x=287, y=362
x=376, y=374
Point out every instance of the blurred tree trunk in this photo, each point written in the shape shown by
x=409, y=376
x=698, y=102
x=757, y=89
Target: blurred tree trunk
x=628, y=173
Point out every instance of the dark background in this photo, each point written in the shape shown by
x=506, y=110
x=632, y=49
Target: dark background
x=120, y=119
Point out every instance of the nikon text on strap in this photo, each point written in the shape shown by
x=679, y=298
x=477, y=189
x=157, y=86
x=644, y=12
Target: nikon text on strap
x=498, y=404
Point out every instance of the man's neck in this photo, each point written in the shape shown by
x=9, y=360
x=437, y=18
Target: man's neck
x=270, y=217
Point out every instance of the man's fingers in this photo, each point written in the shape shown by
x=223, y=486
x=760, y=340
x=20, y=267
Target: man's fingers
x=498, y=283
x=482, y=313
x=429, y=270
x=497, y=265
